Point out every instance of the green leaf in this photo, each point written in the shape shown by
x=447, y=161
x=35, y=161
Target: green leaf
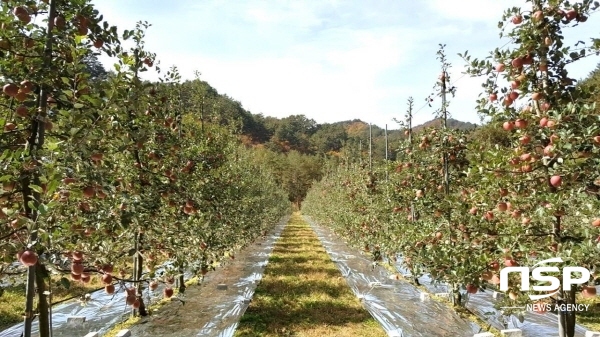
x=51, y=146
x=78, y=105
x=65, y=282
x=36, y=188
x=43, y=209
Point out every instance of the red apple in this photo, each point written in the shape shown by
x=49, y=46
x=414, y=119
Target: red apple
x=538, y=16
x=77, y=268
x=26, y=86
x=517, y=62
x=517, y=19
x=60, y=22
x=22, y=111
x=500, y=67
x=556, y=181
x=549, y=151
x=89, y=192
x=508, y=126
x=168, y=292
x=521, y=123
x=10, y=89
x=9, y=127
x=153, y=285
x=107, y=279
x=110, y=289
x=77, y=256
x=28, y=258
x=495, y=279
x=525, y=139
x=539, y=308
x=525, y=157
x=130, y=299
x=471, y=288
x=97, y=156
x=588, y=291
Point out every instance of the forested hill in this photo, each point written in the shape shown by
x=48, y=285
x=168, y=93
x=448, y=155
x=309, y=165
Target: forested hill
x=306, y=136
x=296, y=132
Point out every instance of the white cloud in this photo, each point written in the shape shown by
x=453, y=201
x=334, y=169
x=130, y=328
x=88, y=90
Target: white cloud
x=329, y=60
x=487, y=11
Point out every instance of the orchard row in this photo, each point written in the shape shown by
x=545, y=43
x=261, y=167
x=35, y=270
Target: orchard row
x=98, y=173
x=458, y=207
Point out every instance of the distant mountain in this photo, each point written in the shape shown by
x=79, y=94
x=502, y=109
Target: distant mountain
x=296, y=132
x=451, y=123
x=358, y=128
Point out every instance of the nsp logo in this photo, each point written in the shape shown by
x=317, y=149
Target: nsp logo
x=568, y=279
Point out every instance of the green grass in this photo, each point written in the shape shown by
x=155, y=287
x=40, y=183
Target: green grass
x=591, y=318
x=303, y=294
x=12, y=300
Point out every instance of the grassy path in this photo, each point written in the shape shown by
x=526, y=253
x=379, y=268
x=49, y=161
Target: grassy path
x=303, y=294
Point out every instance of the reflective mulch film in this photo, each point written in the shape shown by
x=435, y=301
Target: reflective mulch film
x=103, y=311
x=482, y=304
x=395, y=304
x=231, y=306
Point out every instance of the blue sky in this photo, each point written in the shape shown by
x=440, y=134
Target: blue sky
x=330, y=60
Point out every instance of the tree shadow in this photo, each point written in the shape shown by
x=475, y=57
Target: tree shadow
x=302, y=290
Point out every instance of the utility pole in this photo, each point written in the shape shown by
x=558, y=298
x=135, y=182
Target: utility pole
x=370, y=147
x=360, y=151
x=410, y=148
x=386, y=154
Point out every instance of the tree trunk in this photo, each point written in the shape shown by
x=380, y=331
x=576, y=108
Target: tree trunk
x=137, y=276
x=43, y=305
x=566, y=319
x=181, y=281
x=29, y=295
x=36, y=141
